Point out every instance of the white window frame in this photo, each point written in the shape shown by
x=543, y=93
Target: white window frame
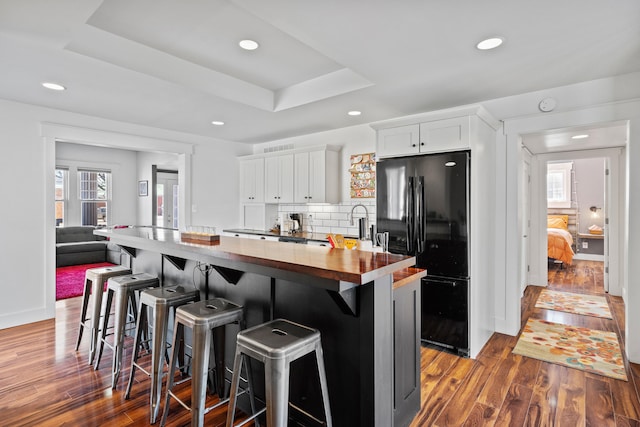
x=65, y=193
x=107, y=198
x=564, y=169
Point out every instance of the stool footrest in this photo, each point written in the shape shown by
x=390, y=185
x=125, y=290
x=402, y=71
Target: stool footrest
x=251, y=418
x=306, y=414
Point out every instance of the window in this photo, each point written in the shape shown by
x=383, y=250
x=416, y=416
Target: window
x=559, y=185
x=94, y=194
x=61, y=195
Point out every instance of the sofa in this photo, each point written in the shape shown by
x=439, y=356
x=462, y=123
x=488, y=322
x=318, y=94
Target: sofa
x=78, y=245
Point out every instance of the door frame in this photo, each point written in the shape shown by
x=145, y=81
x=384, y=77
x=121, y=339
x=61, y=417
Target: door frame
x=538, y=261
x=154, y=192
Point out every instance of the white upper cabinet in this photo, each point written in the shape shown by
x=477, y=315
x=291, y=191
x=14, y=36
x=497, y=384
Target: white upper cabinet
x=436, y=132
x=445, y=135
x=279, y=179
x=316, y=177
x=252, y=181
x=398, y=141
x=303, y=175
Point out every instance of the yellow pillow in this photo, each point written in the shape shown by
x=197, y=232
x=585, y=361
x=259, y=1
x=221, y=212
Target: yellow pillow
x=558, y=221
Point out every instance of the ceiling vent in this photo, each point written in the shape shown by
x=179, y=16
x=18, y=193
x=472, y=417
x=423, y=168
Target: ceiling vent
x=278, y=148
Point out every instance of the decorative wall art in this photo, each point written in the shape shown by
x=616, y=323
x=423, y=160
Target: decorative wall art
x=363, y=176
x=143, y=188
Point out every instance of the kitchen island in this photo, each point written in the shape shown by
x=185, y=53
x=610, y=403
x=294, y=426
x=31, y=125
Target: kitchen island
x=347, y=295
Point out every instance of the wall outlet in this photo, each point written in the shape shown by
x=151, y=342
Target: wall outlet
x=585, y=245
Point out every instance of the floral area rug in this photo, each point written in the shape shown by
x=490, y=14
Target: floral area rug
x=587, y=349
x=588, y=305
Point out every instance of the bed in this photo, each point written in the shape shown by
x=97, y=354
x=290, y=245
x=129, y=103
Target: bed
x=559, y=239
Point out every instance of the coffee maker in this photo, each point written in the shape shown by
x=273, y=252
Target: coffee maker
x=296, y=220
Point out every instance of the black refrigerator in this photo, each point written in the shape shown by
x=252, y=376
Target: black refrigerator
x=423, y=202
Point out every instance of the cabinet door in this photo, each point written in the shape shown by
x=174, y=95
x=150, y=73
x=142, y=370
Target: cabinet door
x=247, y=180
x=317, y=177
x=398, y=141
x=301, y=178
x=286, y=178
x=271, y=179
x=406, y=352
x=252, y=181
x=444, y=135
x=278, y=179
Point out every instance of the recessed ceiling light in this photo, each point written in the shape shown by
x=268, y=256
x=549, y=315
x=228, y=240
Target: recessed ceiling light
x=248, y=44
x=354, y=113
x=490, y=43
x=450, y=164
x=53, y=86
x=583, y=136
x=217, y=123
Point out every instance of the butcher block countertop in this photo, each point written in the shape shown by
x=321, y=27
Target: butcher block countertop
x=275, y=259
x=407, y=275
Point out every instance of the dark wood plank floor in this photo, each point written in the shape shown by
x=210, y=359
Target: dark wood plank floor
x=500, y=388
x=44, y=382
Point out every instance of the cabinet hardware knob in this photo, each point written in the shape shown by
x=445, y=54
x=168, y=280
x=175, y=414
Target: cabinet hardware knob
x=413, y=145
x=422, y=143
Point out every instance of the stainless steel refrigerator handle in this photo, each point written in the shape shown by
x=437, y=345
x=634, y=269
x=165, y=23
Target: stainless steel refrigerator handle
x=421, y=235
x=410, y=214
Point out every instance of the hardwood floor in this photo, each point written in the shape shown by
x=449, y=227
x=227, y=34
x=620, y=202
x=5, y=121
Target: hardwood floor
x=500, y=388
x=45, y=382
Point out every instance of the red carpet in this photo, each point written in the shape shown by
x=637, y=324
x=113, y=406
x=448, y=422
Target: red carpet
x=70, y=280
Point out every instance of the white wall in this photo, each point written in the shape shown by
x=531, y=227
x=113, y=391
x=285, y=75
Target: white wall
x=144, y=163
x=27, y=248
x=121, y=163
x=216, y=187
x=590, y=191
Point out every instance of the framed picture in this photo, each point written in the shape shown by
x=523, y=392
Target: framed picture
x=143, y=188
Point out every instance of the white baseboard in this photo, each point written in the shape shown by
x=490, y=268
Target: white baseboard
x=589, y=257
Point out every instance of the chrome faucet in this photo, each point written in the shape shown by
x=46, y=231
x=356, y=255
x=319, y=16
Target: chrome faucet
x=366, y=217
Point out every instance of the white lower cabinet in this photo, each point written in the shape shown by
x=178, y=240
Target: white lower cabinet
x=259, y=216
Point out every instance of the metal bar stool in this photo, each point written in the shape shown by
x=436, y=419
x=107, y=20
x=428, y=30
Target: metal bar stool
x=124, y=289
x=202, y=317
x=277, y=344
x=160, y=300
x=94, y=286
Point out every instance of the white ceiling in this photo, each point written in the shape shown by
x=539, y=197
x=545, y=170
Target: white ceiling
x=176, y=65
x=560, y=140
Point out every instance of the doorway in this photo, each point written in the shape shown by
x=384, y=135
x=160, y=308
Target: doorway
x=546, y=148
x=166, y=196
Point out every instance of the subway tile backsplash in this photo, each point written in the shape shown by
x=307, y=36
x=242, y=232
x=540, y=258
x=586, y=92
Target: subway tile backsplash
x=333, y=218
